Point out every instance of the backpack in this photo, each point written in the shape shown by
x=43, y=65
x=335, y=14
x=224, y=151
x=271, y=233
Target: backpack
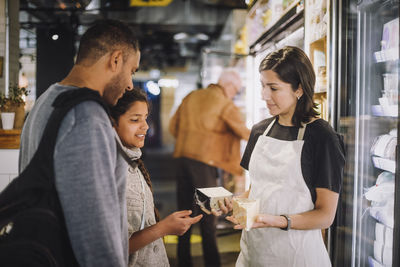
x=32, y=225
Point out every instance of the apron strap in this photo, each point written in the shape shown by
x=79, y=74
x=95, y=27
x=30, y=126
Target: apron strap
x=269, y=127
x=301, y=132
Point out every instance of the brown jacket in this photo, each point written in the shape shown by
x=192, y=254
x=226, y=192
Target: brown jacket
x=208, y=128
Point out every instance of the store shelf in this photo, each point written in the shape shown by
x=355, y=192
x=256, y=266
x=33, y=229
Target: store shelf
x=320, y=94
x=387, y=55
x=296, y=38
x=283, y=23
x=253, y=6
x=319, y=44
x=388, y=66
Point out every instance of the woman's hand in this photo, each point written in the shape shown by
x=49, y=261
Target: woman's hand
x=179, y=222
x=233, y=220
x=321, y=217
x=262, y=221
x=224, y=207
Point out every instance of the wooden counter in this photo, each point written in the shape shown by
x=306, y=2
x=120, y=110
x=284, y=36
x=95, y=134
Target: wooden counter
x=10, y=139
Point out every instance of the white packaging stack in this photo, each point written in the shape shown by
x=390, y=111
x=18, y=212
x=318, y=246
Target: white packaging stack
x=384, y=234
x=373, y=263
x=383, y=244
x=384, y=146
x=383, y=254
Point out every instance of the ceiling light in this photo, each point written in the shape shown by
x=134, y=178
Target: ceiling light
x=54, y=37
x=180, y=36
x=202, y=36
x=153, y=88
x=226, y=37
x=154, y=74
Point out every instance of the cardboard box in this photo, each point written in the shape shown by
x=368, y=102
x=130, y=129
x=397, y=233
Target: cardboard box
x=207, y=198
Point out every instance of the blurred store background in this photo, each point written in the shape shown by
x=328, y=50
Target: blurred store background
x=353, y=45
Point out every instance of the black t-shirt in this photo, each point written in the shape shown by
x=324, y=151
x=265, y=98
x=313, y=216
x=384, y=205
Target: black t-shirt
x=322, y=157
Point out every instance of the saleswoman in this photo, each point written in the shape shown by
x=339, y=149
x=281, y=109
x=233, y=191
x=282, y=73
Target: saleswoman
x=295, y=161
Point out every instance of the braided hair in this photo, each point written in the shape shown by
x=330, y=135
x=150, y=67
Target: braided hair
x=122, y=106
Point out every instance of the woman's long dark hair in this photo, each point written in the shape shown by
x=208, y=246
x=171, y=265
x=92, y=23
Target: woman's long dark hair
x=292, y=66
x=122, y=106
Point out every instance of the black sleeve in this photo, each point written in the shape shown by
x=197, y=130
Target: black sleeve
x=257, y=130
x=329, y=160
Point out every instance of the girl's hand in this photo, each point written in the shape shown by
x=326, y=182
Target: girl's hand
x=179, y=222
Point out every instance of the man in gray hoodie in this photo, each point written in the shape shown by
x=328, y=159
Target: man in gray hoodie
x=89, y=174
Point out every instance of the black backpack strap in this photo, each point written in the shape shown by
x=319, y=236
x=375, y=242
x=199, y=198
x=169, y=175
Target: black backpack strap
x=62, y=105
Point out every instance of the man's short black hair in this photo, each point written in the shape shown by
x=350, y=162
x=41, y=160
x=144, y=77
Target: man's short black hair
x=106, y=36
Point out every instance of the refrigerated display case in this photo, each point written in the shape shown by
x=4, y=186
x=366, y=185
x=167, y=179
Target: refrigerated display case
x=366, y=231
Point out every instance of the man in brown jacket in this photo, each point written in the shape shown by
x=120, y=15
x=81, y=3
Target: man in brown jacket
x=208, y=128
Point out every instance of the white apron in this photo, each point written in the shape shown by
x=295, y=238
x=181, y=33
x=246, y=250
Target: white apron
x=277, y=181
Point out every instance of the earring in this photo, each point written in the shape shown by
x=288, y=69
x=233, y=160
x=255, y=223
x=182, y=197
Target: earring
x=298, y=97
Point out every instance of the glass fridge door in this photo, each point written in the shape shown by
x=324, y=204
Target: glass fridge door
x=371, y=136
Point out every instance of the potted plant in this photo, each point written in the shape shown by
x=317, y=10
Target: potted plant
x=14, y=103
x=7, y=114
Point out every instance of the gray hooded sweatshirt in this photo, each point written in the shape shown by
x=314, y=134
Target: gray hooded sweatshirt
x=90, y=178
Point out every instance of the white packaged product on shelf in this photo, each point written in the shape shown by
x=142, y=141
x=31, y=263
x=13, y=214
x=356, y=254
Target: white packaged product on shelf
x=390, y=42
x=390, y=35
x=383, y=190
x=393, y=132
x=384, y=234
x=390, y=82
x=377, y=110
x=383, y=212
x=374, y=263
x=384, y=146
x=382, y=253
x=384, y=164
x=382, y=197
x=385, y=177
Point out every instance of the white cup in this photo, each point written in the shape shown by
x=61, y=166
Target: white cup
x=7, y=120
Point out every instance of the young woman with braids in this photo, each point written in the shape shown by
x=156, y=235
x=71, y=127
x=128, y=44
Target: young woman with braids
x=146, y=246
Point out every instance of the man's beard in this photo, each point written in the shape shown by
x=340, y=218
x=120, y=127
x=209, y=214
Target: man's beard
x=113, y=90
